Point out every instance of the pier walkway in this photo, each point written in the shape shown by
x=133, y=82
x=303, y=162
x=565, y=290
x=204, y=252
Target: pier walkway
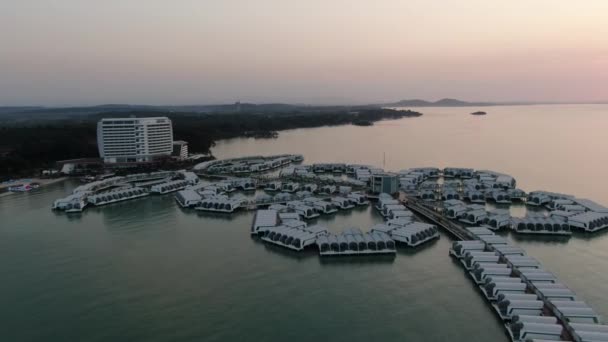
x=432, y=214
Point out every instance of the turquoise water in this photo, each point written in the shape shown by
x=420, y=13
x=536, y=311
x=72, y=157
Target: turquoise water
x=146, y=270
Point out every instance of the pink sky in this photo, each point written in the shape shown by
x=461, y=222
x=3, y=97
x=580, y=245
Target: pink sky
x=73, y=52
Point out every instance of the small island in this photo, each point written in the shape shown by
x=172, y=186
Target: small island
x=479, y=113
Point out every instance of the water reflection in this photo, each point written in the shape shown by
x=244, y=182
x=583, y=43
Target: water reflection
x=357, y=260
x=402, y=249
x=73, y=217
x=590, y=235
x=544, y=239
x=147, y=257
x=284, y=252
x=218, y=216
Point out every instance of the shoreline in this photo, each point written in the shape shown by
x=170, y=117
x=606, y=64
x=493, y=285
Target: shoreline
x=42, y=181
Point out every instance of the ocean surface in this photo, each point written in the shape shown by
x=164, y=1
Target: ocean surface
x=147, y=270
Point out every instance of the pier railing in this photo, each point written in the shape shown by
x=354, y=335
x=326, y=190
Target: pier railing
x=434, y=215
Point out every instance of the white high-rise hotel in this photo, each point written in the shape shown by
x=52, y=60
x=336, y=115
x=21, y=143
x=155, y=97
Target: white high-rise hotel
x=129, y=140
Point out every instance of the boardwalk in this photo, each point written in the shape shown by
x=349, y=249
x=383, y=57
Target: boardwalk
x=432, y=214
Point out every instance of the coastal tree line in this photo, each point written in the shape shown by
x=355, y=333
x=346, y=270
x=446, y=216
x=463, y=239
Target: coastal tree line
x=35, y=144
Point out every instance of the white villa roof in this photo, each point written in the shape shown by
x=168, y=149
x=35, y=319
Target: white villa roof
x=189, y=195
x=266, y=218
x=591, y=205
x=289, y=216
x=316, y=229
x=381, y=227
x=587, y=217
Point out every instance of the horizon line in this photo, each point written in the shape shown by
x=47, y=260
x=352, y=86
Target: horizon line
x=345, y=104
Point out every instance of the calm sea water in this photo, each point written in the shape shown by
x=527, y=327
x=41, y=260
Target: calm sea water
x=147, y=270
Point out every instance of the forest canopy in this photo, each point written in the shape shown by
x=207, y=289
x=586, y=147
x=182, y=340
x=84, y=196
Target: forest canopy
x=29, y=145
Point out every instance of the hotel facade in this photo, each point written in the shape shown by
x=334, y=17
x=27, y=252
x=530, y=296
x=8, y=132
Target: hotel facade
x=134, y=140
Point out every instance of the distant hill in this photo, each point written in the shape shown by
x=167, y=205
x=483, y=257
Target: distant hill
x=20, y=114
x=17, y=114
x=85, y=112
x=440, y=103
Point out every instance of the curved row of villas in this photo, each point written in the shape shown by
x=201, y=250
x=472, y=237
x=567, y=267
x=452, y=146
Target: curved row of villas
x=540, y=225
x=410, y=179
x=116, y=196
x=286, y=229
x=248, y=164
x=312, y=207
x=293, y=187
x=407, y=231
x=150, y=176
x=498, y=196
x=353, y=241
x=118, y=189
x=345, y=200
x=469, y=178
x=530, y=300
x=302, y=202
x=296, y=238
x=99, y=185
x=168, y=187
x=401, y=224
x=306, y=174
x=220, y=204
x=558, y=222
x=73, y=203
x=213, y=197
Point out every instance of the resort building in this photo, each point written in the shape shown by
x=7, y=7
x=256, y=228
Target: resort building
x=180, y=149
x=384, y=183
x=131, y=140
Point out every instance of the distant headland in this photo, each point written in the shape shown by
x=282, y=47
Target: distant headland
x=443, y=103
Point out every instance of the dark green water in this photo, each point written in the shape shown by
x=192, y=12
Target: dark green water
x=147, y=270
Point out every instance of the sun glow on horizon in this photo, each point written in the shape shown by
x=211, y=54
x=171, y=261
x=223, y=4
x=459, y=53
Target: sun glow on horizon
x=155, y=51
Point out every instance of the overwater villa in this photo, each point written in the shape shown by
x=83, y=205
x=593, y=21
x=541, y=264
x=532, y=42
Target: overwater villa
x=589, y=221
x=456, y=211
x=358, y=199
x=220, y=204
x=499, y=196
x=450, y=194
x=290, y=187
x=428, y=195
x=411, y=234
x=117, y=195
x=428, y=172
x=244, y=184
x=454, y=172
x=273, y=186
x=538, y=225
x=498, y=220
x=328, y=189
x=73, y=203
x=354, y=242
x=310, y=187
x=473, y=216
x=167, y=187
x=388, y=209
x=306, y=211
x=342, y=203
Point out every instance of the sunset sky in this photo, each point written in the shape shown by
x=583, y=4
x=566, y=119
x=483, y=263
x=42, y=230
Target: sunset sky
x=83, y=52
